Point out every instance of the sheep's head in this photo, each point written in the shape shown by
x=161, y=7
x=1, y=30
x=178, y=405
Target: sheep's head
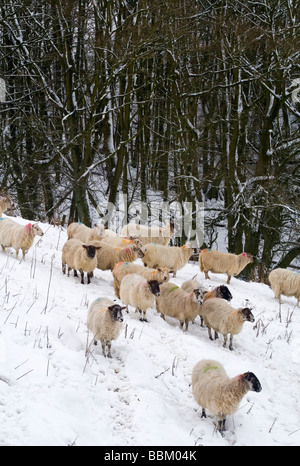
x=91, y=250
x=247, y=257
x=199, y=295
x=116, y=312
x=154, y=287
x=35, y=229
x=252, y=381
x=140, y=252
x=247, y=314
x=164, y=274
x=224, y=292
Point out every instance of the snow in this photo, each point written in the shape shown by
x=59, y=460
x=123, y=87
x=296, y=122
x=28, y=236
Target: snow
x=53, y=392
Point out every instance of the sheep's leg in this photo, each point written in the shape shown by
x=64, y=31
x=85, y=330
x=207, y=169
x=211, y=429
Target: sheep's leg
x=201, y=318
x=75, y=273
x=162, y=316
x=103, y=344
x=203, y=413
x=89, y=275
x=17, y=253
x=216, y=335
x=230, y=343
x=186, y=325
x=225, y=341
x=24, y=252
x=221, y=425
x=64, y=266
x=228, y=279
x=206, y=274
x=108, y=344
x=82, y=276
x=209, y=332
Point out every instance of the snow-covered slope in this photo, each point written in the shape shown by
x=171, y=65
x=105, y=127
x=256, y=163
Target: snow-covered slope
x=53, y=393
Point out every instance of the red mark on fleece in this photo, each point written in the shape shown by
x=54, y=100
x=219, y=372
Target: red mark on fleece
x=28, y=227
x=244, y=254
x=127, y=250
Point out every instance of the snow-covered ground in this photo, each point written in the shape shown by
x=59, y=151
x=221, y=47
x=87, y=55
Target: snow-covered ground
x=53, y=393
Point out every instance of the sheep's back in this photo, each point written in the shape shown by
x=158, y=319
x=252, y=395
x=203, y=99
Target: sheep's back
x=286, y=281
x=208, y=377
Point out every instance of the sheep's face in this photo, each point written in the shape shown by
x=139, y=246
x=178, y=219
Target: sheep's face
x=154, y=287
x=225, y=293
x=116, y=312
x=247, y=257
x=199, y=295
x=253, y=382
x=91, y=250
x=140, y=252
x=164, y=274
x=37, y=230
x=247, y=315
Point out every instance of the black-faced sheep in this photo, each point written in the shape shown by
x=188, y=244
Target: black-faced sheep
x=223, y=262
x=136, y=291
x=16, y=236
x=223, y=318
x=105, y=321
x=79, y=257
x=172, y=257
x=162, y=275
x=285, y=282
x=220, y=291
x=215, y=391
x=179, y=304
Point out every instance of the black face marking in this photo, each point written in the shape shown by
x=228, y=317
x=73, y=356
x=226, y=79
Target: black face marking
x=116, y=312
x=154, y=287
x=248, y=314
x=90, y=250
x=253, y=381
x=199, y=294
x=225, y=293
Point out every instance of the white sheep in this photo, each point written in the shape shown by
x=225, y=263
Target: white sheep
x=79, y=257
x=5, y=203
x=124, y=268
x=108, y=256
x=223, y=262
x=219, y=315
x=105, y=321
x=84, y=233
x=172, y=257
x=179, y=304
x=16, y=236
x=220, y=291
x=215, y=391
x=158, y=235
x=140, y=293
x=123, y=242
x=285, y=282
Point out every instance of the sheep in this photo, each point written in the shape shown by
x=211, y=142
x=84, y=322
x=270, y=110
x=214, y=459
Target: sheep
x=219, y=292
x=219, y=315
x=148, y=234
x=105, y=321
x=179, y=304
x=16, y=236
x=172, y=257
x=138, y=292
x=79, y=256
x=5, y=203
x=223, y=262
x=84, y=233
x=108, y=257
x=285, y=282
x=215, y=391
x=123, y=242
x=124, y=268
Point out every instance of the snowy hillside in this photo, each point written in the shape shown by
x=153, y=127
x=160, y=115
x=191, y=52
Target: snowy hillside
x=52, y=393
